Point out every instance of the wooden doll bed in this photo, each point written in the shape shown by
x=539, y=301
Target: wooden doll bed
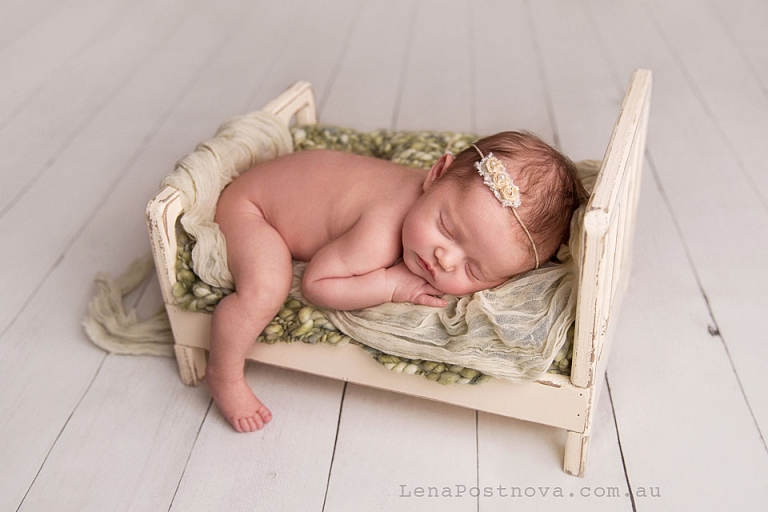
x=562, y=401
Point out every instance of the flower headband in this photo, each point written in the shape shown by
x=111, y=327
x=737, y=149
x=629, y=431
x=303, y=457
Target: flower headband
x=497, y=178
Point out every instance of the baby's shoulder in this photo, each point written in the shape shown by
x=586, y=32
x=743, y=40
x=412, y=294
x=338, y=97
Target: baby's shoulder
x=379, y=235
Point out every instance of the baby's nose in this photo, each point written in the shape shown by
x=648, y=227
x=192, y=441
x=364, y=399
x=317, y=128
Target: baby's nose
x=445, y=259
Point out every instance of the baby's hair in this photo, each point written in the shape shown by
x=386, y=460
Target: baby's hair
x=550, y=188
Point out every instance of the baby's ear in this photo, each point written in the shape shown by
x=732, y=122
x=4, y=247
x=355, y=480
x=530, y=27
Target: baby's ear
x=438, y=169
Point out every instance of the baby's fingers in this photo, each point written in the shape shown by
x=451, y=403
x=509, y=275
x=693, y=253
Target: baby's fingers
x=429, y=300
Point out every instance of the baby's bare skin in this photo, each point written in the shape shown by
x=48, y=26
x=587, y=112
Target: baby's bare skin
x=349, y=217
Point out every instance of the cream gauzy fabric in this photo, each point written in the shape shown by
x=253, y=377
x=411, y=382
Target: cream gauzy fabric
x=200, y=177
x=118, y=331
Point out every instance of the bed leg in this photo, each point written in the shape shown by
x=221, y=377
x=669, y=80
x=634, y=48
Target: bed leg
x=192, y=363
x=576, y=447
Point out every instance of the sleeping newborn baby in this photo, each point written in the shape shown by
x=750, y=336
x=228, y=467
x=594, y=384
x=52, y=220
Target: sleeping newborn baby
x=379, y=232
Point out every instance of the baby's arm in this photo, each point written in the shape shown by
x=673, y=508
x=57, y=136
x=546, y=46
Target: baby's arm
x=351, y=273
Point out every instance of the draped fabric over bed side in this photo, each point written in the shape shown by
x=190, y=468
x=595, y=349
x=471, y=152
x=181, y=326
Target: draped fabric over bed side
x=200, y=177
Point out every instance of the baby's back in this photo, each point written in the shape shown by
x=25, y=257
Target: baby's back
x=314, y=197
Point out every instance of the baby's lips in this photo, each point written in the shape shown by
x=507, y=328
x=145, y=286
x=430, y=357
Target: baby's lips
x=426, y=266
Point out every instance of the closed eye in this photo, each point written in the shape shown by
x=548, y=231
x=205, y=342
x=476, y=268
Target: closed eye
x=444, y=229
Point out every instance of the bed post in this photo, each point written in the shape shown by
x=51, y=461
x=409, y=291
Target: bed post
x=297, y=101
x=192, y=363
x=576, y=448
x=604, y=264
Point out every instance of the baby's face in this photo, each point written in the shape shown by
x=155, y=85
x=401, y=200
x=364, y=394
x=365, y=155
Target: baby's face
x=461, y=240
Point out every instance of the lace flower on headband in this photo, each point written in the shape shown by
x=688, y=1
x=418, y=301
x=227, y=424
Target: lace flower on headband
x=496, y=178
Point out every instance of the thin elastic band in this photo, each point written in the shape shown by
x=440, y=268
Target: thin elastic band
x=535, y=252
x=517, y=216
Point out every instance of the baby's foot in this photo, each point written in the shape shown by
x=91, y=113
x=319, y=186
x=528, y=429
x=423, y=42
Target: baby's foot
x=238, y=404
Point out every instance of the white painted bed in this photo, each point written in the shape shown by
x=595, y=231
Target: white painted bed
x=556, y=400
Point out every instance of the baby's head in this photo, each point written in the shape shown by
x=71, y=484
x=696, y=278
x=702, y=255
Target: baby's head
x=462, y=238
x=550, y=190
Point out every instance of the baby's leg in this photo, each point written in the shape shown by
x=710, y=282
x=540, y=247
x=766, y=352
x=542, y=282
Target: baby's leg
x=261, y=266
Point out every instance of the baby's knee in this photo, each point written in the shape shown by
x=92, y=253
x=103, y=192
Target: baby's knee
x=264, y=299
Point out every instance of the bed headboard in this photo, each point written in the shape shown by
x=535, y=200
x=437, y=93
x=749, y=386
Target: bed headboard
x=609, y=223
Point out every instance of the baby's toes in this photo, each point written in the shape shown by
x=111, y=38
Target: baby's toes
x=256, y=422
x=237, y=424
x=264, y=414
x=246, y=425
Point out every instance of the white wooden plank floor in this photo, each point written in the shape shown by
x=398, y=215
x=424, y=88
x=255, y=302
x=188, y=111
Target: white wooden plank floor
x=98, y=99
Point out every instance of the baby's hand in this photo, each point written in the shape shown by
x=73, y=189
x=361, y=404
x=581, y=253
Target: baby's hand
x=408, y=287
